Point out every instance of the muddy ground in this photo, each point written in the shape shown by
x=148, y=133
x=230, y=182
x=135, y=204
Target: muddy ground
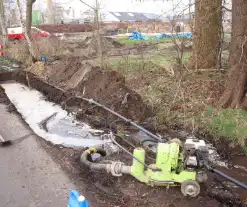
x=99, y=188
x=105, y=190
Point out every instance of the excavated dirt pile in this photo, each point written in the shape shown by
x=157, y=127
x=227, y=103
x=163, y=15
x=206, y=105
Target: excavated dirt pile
x=64, y=81
x=78, y=77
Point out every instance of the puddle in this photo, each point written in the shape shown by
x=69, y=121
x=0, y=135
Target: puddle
x=50, y=121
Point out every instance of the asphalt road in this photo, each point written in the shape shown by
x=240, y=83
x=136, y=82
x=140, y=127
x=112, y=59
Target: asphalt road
x=28, y=175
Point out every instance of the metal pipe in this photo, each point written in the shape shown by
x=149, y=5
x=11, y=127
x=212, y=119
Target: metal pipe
x=115, y=168
x=229, y=178
x=125, y=119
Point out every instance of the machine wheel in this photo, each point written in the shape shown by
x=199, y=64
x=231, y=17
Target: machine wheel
x=190, y=188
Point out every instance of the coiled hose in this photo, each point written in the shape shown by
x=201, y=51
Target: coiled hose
x=115, y=168
x=86, y=158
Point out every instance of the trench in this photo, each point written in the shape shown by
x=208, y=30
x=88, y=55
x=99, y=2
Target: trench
x=50, y=121
x=40, y=108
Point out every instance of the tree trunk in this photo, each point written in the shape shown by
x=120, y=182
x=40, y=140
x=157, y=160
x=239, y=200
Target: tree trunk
x=3, y=25
x=29, y=17
x=235, y=88
x=207, y=34
x=27, y=30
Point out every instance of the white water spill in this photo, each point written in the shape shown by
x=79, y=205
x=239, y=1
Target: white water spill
x=59, y=127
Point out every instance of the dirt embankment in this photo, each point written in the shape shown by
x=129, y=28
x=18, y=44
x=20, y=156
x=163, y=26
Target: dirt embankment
x=66, y=81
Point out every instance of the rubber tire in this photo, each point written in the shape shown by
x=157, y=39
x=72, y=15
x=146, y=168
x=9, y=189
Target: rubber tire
x=195, y=185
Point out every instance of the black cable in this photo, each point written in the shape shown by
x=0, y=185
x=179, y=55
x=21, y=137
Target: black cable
x=218, y=172
x=124, y=118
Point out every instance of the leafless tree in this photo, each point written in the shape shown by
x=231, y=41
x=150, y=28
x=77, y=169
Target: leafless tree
x=3, y=25
x=96, y=10
x=27, y=27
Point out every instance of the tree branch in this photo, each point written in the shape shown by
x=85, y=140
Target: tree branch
x=87, y=5
x=223, y=7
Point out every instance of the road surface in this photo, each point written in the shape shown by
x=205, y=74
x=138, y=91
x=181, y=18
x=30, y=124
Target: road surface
x=28, y=175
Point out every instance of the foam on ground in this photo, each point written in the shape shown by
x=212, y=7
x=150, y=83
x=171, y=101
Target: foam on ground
x=61, y=128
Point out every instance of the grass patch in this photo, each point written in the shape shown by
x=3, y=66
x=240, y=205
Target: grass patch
x=131, y=65
x=147, y=62
x=183, y=103
x=228, y=123
x=128, y=42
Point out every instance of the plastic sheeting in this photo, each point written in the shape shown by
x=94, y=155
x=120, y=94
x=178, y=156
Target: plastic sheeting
x=138, y=36
x=162, y=36
x=187, y=35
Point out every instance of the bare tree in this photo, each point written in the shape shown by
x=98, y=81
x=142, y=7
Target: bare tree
x=236, y=85
x=96, y=10
x=3, y=25
x=27, y=27
x=207, y=34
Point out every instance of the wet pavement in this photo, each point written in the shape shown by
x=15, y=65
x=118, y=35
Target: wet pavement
x=29, y=176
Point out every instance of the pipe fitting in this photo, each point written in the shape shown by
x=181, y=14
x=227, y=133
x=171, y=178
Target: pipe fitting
x=118, y=169
x=115, y=168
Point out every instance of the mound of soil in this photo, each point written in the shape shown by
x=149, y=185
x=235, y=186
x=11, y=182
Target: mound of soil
x=105, y=87
x=90, y=45
x=107, y=43
x=108, y=88
x=62, y=71
x=78, y=77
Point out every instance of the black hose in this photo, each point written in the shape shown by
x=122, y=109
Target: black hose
x=125, y=119
x=229, y=178
x=148, y=140
x=87, y=160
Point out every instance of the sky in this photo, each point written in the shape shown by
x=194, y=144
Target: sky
x=147, y=6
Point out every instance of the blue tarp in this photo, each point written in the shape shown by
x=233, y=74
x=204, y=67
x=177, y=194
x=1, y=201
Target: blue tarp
x=185, y=35
x=161, y=36
x=138, y=36
x=181, y=35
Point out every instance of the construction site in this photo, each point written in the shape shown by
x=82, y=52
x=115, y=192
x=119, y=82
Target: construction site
x=114, y=110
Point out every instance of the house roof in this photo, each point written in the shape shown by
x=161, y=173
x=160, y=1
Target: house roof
x=130, y=16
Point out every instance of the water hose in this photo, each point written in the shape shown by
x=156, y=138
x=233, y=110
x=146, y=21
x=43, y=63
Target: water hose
x=218, y=172
x=115, y=168
x=86, y=158
x=91, y=101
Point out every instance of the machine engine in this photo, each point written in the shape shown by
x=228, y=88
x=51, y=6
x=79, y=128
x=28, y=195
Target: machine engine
x=196, y=154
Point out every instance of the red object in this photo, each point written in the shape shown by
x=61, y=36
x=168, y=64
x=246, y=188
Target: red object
x=16, y=33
